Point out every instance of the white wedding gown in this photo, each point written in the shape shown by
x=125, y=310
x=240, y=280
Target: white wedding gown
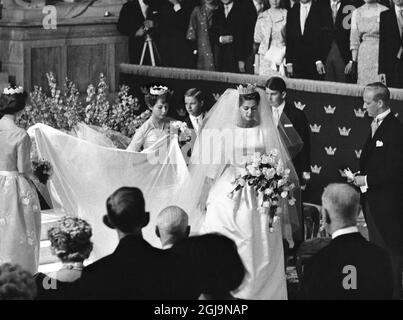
x=239, y=219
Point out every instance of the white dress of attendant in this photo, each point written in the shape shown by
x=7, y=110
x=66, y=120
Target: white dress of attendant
x=20, y=213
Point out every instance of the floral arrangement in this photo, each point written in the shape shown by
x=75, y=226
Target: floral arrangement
x=184, y=135
x=70, y=239
x=266, y=173
x=63, y=108
x=42, y=170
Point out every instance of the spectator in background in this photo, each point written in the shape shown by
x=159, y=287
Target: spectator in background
x=364, y=40
x=302, y=40
x=229, y=28
x=270, y=35
x=16, y=283
x=136, y=18
x=172, y=226
x=173, y=23
x=70, y=242
x=335, y=39
x=200, y=23
x=350, y=267
x=391, y=46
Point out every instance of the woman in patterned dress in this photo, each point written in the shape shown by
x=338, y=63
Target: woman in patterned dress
x=20, y=215
x=364, y=40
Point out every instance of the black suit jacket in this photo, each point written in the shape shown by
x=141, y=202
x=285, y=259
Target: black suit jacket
x=336, y=31
x=228, y=55
x=383, y=166
x=302, y=160
x=172, y=45
x=130, y=20
x=135, y=270
x=389, y=44
x=303, y=50
x=324, y=274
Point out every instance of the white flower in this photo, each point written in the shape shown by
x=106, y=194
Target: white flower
x=292, y=201
x=268, y=191
x=265, y=159
x=292, y=186
x=270, y=173
x=287, y=172
x=284, y=194
x=25, y=201
x=280, y=182
x=266, y=204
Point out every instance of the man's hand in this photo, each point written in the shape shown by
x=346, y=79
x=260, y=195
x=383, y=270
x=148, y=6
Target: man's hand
x=348, y=68
x=382, y=78
x=226, y=39
x=140, y=32
x=290, y=70
x=149, y=24
x=320, y=68
x=241, y=66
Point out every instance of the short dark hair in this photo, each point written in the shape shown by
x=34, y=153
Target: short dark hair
x=195, y=93
x=381, y=91
x=126, y=208
x=276, y=84
x=11, y=104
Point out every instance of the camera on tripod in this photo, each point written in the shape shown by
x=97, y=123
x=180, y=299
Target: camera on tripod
x=149, y=43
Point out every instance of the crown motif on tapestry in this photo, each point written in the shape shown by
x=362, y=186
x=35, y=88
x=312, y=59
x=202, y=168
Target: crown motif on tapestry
x=344, y=131
x=360, y=113
x=158, y=90
x=358, y=153
x=315, y=169
x=299, y=105
x=315, y=128
x=329, y=109
x=247, y=89
x=330, y=151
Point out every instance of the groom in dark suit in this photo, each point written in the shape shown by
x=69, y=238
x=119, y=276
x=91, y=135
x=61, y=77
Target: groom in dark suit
x=293, y=124
x=381, y=178
x=349, y=267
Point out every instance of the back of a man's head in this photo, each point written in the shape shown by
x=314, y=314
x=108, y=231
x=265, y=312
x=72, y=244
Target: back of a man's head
x=172, y=225
x=126, y=210
x=341, y=203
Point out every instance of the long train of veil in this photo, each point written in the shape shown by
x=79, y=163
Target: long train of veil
x=215, y=148
x=86, y=172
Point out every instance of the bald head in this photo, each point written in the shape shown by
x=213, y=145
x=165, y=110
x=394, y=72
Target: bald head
x=341, y=202
x=172, y=225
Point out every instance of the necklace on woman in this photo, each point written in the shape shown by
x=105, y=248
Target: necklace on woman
x=79, y=266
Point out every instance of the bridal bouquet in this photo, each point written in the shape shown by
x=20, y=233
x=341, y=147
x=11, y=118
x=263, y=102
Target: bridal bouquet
x=42, y=169
x=184, y=135
x=267, y=175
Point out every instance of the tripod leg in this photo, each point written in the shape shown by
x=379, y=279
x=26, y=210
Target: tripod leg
x=143, y=53
x=150, y=47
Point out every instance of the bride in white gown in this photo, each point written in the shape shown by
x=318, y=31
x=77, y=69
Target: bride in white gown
x=237, y=126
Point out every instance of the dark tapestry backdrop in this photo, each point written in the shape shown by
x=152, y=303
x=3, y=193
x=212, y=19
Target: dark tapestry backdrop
x=338, y=125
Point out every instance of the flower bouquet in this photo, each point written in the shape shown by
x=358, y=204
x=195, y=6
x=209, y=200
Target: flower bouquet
x=184, y=133
x=267, y=175
x=42, y=170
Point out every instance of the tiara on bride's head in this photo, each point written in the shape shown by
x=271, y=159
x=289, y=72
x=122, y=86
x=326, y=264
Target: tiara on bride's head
x=247, y=89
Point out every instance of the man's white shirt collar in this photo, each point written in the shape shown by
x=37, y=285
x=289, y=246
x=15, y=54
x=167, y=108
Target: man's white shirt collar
x=380, y=117
x=143, y=8
x=193, y=119
x=344, y=231
x=280, y=108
